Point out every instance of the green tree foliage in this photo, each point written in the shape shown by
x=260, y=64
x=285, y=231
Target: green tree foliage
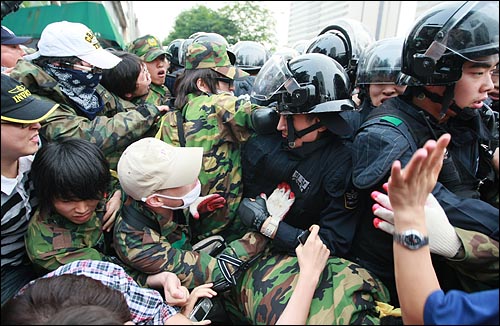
x=238, y=21
x=254, y=22
x=201, y=19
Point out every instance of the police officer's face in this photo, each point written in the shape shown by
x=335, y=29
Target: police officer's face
x=494, y=94
x=381, y=92
x=300, y=122
x=476, y=81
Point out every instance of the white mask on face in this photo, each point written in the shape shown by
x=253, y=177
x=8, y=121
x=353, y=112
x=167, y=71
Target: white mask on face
x=187, y=199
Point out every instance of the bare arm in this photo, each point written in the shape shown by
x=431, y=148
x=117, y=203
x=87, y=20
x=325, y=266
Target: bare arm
x=408, y=190
x=312, y=257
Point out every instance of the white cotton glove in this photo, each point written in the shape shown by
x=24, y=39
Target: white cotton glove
x=443, y=240
x=280, y=201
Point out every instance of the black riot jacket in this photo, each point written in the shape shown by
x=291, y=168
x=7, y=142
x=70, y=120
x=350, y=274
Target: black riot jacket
x=319, y=175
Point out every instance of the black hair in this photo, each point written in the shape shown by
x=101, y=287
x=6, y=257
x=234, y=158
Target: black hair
x=43, y=61
x=122, y=78
x=185, y=84
x=71, y=169
x=46, y=297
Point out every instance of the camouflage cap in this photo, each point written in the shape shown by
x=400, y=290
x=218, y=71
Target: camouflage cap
x=147, y=47
x=214, y=56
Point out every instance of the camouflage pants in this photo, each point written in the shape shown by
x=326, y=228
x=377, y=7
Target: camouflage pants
x=346, y=293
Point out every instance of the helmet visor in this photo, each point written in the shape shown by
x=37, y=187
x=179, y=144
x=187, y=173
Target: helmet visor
x=272, y=77
x=470, y=33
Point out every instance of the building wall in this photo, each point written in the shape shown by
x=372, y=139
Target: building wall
x=382, y=18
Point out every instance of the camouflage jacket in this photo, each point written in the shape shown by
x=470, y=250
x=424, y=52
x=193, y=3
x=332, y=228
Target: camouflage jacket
x=158, y=95
x=169, y=249
x=346, y=294
x=53, y=241
x=220, y=124
x=478, y=267
x=119, y=124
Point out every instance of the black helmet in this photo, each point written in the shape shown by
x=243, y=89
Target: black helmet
x=335, y=44
x=202, y=37
x=343, y=41
x=358, y=34
x=446, y=36
x=250, y=55
x=309, y=83
x=380, y=63
x=183, y=50
x=174, y=48
x=286, y=53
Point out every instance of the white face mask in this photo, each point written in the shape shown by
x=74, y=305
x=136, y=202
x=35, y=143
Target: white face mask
x=187, y=199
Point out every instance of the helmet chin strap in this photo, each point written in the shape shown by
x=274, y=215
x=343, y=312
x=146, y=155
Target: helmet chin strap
x=445, y=100
x=294, y=134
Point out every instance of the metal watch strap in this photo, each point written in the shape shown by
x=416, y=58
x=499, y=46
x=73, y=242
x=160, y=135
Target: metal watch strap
x=411, y=239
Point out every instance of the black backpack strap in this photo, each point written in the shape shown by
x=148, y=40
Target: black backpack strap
x=180, y=128
x=137, y=220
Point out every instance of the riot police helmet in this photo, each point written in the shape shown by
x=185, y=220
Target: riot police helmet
x=446, y=36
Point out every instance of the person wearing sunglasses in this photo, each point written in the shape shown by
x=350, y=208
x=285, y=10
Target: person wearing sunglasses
x=208, y=115
x=21, y=117
x=67, y=69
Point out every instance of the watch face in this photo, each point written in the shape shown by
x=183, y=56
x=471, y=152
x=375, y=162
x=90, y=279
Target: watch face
x=411, y=239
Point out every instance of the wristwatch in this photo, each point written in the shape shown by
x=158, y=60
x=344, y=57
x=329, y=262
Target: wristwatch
x=270, y=228
x=411, y=239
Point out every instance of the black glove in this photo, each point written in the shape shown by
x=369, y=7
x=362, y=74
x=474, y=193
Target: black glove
x=253, y=212
x=265, y=120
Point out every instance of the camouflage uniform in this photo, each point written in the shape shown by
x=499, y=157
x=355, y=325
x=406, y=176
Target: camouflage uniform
x=158, y=95
x=478, y=266
x=219, y=123
x=170, y=250
x=346, y=293
x=148, y=48
x=53, y=241
x=114, y=128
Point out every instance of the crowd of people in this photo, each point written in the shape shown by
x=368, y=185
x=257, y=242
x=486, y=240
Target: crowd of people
x=353, y=182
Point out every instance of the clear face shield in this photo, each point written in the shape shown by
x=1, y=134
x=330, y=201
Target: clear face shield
x=471, y=30
x=273, y=77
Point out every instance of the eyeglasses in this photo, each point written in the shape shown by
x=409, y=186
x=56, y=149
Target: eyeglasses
x=146, y=76
x=93, y=70
x=22, y=125
x=226, y=80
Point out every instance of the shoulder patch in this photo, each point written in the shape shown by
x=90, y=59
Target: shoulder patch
x=395, y=121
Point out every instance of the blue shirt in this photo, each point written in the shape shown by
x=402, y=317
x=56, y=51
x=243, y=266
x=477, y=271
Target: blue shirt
x=458, y=307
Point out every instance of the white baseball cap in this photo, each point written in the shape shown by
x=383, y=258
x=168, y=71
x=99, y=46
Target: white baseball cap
x=67, y=39
x=150, y=164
